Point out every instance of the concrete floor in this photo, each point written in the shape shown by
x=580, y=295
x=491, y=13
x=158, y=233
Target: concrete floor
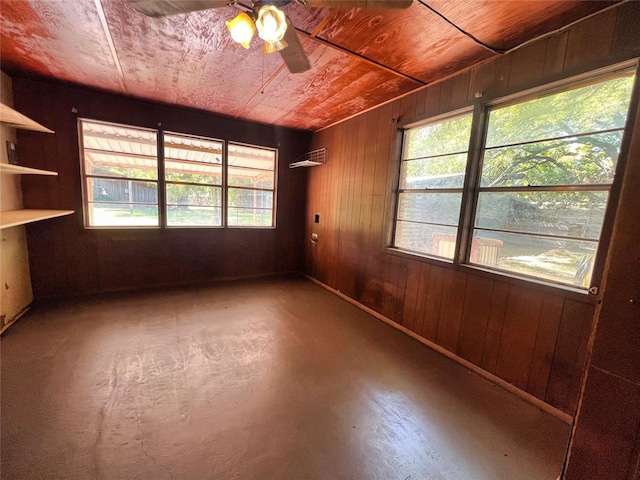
x=268, y=379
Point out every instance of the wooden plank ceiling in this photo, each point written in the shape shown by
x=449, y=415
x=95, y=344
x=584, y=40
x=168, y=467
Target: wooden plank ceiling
x=190, y=60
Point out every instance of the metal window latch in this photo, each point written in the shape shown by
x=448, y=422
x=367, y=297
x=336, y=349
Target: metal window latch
x=593, y=290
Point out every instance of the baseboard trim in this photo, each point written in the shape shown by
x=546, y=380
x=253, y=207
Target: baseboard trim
x=559, y=414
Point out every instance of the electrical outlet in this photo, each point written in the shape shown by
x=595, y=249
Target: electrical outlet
x=12, y=154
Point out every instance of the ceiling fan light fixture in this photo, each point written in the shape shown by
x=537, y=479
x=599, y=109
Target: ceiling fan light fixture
x=242, y=29
x=271, y=24
x=272, y=47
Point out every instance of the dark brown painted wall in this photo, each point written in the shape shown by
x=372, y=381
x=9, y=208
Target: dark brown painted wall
x=65, y=259
x=536, y=338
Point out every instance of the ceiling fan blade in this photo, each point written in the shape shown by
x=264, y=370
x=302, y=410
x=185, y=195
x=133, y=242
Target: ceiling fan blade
x=294, y=55
x=161, y=8
x=357, y=3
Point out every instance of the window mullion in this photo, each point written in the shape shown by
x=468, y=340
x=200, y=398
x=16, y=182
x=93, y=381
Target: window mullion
x=225, y=186
x=402, y=134
x=479, y=124
x=162, y=193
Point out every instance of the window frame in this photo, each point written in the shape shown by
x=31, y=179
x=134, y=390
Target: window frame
x=471, y=189
x=162, y=183
x=226, y=186
x=403, y=129
x=165, y=182
x=84, y=176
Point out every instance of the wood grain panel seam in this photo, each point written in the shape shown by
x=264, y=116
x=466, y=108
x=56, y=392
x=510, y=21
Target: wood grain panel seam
x=504, y=315
x=616, y=375
x=486, y=330
x=560, y=415
x=109, y=38
x=567, y=26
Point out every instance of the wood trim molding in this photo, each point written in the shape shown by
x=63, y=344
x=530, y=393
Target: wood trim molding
x=566, y=418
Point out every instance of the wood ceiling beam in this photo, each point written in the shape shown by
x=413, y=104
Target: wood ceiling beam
x=360, y=57
x=112, y=47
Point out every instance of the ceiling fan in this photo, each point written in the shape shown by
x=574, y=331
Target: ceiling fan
x=273, y=25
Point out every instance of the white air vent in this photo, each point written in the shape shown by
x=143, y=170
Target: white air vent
x=311, y=159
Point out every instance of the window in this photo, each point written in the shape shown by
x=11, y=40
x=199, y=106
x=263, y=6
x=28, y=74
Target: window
x=193, y=180
x=251, y=186
x=548, y=167
x=545, y=170
x=120, y=166
x=434, y=160
x=201, y=185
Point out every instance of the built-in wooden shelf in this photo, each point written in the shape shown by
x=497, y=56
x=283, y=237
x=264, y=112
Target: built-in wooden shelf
x=14, y=119
x=19, y=170
x=13, y=218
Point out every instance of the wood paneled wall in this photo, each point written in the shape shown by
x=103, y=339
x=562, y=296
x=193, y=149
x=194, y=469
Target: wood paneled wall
x=531, y=336
x=606, y=435
x=67, y=259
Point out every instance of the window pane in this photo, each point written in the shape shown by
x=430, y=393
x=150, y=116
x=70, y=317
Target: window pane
x=601, y=106
x=430, y=207
x=178, y=216
x=436, y=172
x=192, y=149
x=559, y=260
x=250, y=198
x=254, y=217
x=119, y=150
x=424, y=238
x=447, y=136
x=581, y=160
x=121, y=191
x=566, y=214
x=245, y=177
x=192, y=159
x=194, y=195
x=251, y=157
x=193, y=173
x=120, y=165
x=119, y=138
x=122, y=215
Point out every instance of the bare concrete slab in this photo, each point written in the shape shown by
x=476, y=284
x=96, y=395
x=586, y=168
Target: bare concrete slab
x=265, y=379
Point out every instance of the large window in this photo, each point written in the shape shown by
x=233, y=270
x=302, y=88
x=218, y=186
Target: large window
x=201, y=184
x=538, y=200
x=193, y=180
x=120, y=175
x=252, y=183
x=434, y=160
